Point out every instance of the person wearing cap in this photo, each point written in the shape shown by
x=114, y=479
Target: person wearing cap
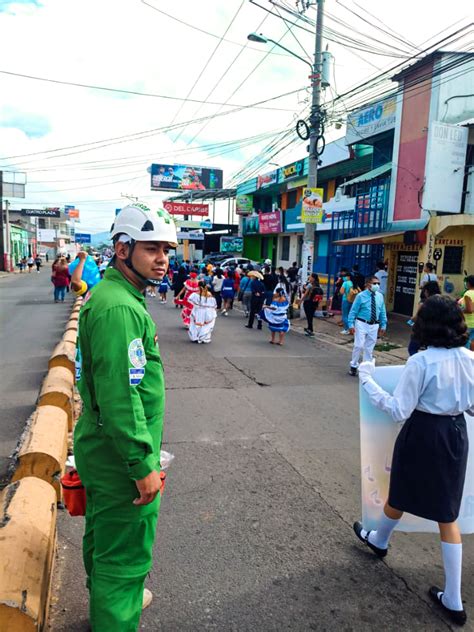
x=118, y=437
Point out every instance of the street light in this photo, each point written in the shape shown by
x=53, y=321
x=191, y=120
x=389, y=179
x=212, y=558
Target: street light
x=261, y=39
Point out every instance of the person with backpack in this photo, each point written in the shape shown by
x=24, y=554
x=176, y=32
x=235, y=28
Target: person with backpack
x=311, y=299
x=245, y=293
x=348, y=292
x=367, y=318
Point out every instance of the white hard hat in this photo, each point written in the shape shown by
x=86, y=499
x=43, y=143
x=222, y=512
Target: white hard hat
x=143, y=224
x=268, y=262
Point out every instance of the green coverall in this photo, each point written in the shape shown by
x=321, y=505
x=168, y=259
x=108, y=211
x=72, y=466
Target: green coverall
x=117, y=441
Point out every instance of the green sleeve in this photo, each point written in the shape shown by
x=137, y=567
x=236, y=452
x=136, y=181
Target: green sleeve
x=119, y=402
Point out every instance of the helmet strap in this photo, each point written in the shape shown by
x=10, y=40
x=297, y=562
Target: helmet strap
x=130, y=266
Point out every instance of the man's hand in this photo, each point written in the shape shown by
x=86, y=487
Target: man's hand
x=352, y=330
x=148, y=488
x=381, y=333
x=82, y=255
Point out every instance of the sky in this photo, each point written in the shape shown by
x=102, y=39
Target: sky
x=133, y=46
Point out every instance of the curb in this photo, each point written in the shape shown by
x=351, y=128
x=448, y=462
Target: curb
x=28, y=505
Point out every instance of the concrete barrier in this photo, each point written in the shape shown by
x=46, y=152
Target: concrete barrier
x=27, y=546
x=57, y=390
x=70, y=336
x=43, y=451
x=64, y=355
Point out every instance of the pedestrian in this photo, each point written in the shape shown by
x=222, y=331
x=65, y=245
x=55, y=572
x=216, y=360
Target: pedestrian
x=21, y=264
x=292, y=275
x=257, y=299
x=428, y=275
x=283, y=282
x=190, y=285
x=61, y=279
x=311, y=299
x=276, y=315
x=245, y=293
x=179, y=279
x=118, y=437
x=46, y=257
x=38, y=263
x=217, y=283
x=227, y=292
x=347, y=292
x=357, y=277
x=382, y=276
x=467, y=305
x=367, y=318
x=430, y=455
x=429, y=289
x=30, y=262
x=163, y=288
x=270, y=281
x=203, y=315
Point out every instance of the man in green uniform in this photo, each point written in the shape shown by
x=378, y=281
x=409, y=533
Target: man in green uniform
x=118, y=437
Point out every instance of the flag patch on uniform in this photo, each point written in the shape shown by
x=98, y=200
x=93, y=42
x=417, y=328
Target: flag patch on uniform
x=135, y=376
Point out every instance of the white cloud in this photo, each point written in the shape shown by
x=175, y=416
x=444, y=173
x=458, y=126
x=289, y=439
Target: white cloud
x=128, y=45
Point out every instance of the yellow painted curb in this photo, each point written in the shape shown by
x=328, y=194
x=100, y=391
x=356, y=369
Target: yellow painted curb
x=43, y=452
x=70, y=336
x=27, y=545
x=57, y=390
x=63, y=355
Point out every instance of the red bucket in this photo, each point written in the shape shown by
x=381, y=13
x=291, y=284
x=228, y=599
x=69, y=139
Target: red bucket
x=74, y=493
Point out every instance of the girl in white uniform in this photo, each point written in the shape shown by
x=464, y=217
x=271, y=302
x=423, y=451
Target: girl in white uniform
x=429, y=460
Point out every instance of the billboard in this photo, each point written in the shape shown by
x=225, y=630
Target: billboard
x=270, y=222
x=244, y=204
x=232, y=244
x=312, y=206
x=184, y=177
x=83, y=238
x=182, y=208
x=41, y=212
x=267, y=179
x=369, y=121
x=250, y=225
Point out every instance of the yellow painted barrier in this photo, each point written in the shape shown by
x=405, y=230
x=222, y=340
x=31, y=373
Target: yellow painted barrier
x=70, y=336
x=57, y=390
x=27, y=545
x=64, y=355
x=43, y=451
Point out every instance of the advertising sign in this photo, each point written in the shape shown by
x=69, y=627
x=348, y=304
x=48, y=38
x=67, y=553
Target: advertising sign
x=192, y=234
x=41, y=212
x=312, y=206
x=206, y=223
x=293, y=170
x=445, y=168
x=405, y=287
x=369, y=121
x=184, y=177
x=232, y=244
x=267, y=179
x=250, y=225
x=307, y=258
x=378, y=433
x=67, y=208
x=244, y=204
x=73, y=213
x=83, y=238
x=47, y=234
x=183, y=208
x=270, y=222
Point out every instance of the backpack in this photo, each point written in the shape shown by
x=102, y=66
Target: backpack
x=352, y=294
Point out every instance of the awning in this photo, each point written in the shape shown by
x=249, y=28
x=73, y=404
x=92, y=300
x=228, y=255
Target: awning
x=374, y=238
x=202, y=196
x=370, y=175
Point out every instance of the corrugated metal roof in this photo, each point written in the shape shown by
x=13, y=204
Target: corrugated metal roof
x=370, y=175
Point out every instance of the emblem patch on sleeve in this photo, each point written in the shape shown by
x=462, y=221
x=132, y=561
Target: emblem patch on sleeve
x=136, y=353
x=136, y=376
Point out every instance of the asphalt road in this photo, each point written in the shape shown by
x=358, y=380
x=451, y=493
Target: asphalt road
x=255, y=531
x=30, y=326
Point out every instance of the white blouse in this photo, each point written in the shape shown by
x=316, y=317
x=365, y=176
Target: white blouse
x=439, y=381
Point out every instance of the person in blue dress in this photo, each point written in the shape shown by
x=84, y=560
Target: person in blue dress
x=276, y=316
x=228, y=292
x=165, y=285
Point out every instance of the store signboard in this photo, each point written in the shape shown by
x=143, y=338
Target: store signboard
x=192, y=234
x=267, y=179
x=41, y=212
x=445, y=168
x=232, y=244
x=312, y=206
x=184, y=177
x=183, y=208
x=371, y=120
x=270, y=223
x=293, y=170
x=250, y=225
x=244, y=204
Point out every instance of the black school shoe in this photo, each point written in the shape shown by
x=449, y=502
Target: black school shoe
x=456, y=616
x=353, y=371
x=357, y=530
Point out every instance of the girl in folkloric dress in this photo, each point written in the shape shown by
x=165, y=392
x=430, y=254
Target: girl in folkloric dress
x=276, y=315
x=190, y=286
x=203, y=314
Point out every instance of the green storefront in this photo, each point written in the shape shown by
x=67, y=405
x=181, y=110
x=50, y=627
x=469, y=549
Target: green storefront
x=18, y=244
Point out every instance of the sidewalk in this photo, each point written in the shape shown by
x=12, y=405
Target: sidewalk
x=392, y=349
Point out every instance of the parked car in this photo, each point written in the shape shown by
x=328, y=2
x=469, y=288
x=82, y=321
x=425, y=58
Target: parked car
x=238, y=262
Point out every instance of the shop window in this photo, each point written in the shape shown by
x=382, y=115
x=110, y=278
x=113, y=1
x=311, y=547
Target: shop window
x=285, y=249
x=453, y=257
x=291, y=199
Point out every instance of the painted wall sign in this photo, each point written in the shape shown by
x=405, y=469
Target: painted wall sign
x=370, y=121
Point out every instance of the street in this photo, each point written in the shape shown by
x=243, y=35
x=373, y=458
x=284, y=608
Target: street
x=30, y=326
x=255, y=530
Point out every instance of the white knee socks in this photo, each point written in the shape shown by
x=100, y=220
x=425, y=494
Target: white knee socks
x=452, y=561
x=381, y=537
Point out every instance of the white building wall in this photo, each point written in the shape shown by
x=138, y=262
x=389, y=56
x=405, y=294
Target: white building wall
x=293, y=256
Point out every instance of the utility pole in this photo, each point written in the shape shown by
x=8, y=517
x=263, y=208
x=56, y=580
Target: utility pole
x=307, y=255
